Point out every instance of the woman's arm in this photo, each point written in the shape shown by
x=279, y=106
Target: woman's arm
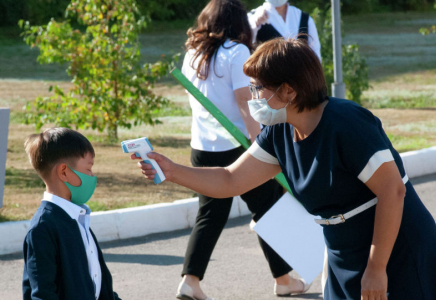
x=242, y=95
x=314, y=39
x=243, y=175
x=387, y=185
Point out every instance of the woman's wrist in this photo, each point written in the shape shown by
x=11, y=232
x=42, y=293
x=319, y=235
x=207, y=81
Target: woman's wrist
x=376, y=265
x=172, y=173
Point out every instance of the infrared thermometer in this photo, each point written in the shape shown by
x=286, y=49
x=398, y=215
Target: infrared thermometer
x=141, y=147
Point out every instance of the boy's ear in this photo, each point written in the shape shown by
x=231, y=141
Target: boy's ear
x=61, y=171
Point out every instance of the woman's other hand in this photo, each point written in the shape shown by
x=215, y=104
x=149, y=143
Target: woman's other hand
x=164, y=163
x=260, y=16
x=374, y=284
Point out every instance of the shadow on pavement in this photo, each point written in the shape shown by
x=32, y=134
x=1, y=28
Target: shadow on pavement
x=145, y=259
x=10, y=257
x=143, y=240
x=167, y=235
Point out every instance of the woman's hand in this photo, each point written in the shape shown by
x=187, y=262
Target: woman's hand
x=260, y=16
x=374, y=284
x=166, y=165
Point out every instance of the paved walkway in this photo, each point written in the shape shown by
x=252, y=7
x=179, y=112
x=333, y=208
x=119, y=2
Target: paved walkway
x=149, y=267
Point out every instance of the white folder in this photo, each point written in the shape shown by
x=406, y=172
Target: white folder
x=292, y=232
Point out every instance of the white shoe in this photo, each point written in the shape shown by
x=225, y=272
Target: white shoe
x=185, y=292
x=286, y=290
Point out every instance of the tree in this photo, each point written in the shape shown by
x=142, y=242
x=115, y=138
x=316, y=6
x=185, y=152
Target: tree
x=432, y=29
x=355, y=68
x=111, y=88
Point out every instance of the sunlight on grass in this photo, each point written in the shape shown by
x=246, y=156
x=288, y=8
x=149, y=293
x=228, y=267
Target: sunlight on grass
x=405, y=99
x=23, y=179
x=410, y=90
x=404, y=144
x=174, y=110
x=419, y=127
x=8, y=218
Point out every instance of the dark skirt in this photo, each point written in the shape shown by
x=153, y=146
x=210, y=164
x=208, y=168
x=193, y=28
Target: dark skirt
x=411, y=269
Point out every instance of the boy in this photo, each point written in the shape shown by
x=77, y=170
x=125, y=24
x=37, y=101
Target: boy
x=62, y=259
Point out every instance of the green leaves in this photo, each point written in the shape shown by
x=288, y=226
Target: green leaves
x=426, y=31
x=354, y=66
x=114, y=28
x=110, y=87
x=431, y=29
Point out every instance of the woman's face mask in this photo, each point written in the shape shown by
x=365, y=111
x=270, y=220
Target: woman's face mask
x=264, y=114
x=277, y=3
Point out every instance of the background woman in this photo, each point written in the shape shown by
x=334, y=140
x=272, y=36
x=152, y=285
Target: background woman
x=277, y=18
x=217, y=47
x=340, y=165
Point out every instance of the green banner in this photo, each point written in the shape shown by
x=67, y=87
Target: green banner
x=221, y=118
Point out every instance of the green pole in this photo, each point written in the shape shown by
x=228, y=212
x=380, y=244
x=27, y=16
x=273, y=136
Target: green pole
x=221, y=118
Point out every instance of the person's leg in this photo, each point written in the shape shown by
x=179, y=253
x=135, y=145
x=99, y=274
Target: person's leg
x=259, y=201
x=211, y=219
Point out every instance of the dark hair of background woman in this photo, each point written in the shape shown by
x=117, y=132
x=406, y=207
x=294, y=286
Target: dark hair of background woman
x=219, y=21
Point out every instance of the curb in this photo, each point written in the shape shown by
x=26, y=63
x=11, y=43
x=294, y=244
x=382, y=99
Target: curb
x=420, y=162
x=140, y=221
x=125, y=223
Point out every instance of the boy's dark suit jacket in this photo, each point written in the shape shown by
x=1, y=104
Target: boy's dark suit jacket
x=55, y=262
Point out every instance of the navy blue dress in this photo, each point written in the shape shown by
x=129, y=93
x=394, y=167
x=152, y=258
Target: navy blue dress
x=326, y=172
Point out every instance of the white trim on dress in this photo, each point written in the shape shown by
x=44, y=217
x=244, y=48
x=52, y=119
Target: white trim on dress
x=257, y=152
x=374, y=163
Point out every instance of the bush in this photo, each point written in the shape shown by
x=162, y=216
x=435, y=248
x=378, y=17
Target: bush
x=111, y=89
x=354, y=66
x=429, y=30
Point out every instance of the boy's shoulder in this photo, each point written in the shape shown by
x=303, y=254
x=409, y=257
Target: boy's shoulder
x=48, y=217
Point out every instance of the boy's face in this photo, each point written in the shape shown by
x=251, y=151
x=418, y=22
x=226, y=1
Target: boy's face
x=83, y=165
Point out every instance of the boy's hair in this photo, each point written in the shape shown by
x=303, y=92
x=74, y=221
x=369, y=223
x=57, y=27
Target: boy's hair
x=54, y=145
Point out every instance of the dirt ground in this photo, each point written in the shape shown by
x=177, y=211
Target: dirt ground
x=119, y=182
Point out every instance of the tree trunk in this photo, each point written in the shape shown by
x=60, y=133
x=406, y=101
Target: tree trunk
x=112, y=133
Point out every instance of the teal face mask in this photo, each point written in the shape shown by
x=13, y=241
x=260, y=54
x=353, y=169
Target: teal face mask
x=82, y=193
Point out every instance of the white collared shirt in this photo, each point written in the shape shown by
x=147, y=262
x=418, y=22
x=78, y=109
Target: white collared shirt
x=82, y=215
x=288, y=28
x=225, y=76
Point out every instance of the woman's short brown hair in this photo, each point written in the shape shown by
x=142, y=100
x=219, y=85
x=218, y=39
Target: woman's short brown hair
x=293, y=62
x=54, y=145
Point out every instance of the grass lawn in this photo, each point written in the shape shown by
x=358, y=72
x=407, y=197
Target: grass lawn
x=402, y=75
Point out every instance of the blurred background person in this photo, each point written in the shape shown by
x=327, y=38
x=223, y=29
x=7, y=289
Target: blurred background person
x=217, y=48
x=276, y=18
